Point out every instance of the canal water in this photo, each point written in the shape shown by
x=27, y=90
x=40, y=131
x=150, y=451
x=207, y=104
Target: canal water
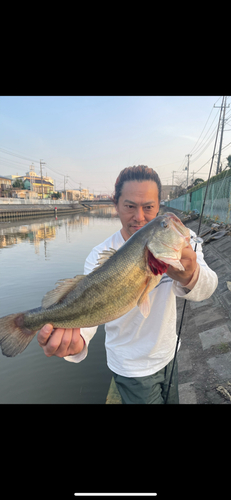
x=34, y=255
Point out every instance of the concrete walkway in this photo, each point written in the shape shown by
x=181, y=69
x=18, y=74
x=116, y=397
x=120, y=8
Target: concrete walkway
x=204, y=358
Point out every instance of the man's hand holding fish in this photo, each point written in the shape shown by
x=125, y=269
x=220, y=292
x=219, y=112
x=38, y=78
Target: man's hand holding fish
x=60, y=342
x=189, y=262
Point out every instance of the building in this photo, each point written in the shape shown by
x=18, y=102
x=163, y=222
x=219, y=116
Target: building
x=13, y=177
x=42, y=187
x=5, y=185
x=166, y=190
x=77, y=195
x=38, y=187
x=84, y=194
x=71, y=195
x=23, y=194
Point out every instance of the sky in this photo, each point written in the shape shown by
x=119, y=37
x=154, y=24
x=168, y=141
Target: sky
x=92, y=138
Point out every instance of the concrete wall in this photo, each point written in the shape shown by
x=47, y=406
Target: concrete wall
x=18, y=201
x=218, y=200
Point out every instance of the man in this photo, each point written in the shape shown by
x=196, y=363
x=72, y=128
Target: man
x=139, y=351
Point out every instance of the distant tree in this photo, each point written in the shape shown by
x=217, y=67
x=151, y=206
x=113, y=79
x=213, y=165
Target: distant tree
x=179, y=191
x=56, y=195
x=198, y=181
x=229, y=161
x=18, y=184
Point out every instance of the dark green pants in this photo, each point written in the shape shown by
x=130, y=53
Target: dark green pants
x=151, y=389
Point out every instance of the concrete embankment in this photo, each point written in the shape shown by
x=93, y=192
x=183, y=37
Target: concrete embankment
x=40, y=210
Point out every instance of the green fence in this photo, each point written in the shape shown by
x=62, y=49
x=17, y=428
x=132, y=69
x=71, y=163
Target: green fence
x=218, y=200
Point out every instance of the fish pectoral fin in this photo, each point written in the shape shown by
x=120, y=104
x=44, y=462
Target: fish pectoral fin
x=63, y=288
x=105, y=255
x=144, y=301
x=144, y=305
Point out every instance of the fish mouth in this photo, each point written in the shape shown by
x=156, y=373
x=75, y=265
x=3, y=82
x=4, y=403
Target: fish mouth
x=178, y=227
x=155, y=265
x=175, y=248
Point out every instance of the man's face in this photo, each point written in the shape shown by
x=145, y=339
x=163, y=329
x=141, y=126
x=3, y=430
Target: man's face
x=137, y=205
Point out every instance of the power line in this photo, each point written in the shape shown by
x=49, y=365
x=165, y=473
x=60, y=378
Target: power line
x=226, y=146
x=7, y=160
x=206, y=147
x=211, y=158
x=167, y=164
x=5, y=151
x=198, y=148
x=5, y=163
x=207, y=140
x=202, y=132
x=228, y=116
x=182, y=167
x=49, y=168
x=76, y=182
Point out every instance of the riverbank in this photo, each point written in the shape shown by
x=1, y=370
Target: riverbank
x=43, y=208
x=32, y=211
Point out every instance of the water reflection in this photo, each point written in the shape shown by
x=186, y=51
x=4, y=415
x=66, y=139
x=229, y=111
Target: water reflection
x=44, y=230
x=35, y=233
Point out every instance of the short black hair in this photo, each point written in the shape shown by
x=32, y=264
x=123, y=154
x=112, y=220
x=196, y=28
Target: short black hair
x=139, y=173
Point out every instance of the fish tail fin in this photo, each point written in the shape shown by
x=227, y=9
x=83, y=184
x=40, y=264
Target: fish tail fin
x=14, y=336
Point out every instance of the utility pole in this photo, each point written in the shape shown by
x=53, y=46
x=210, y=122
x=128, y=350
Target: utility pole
x=42, y=163
x=31, y=180
x=173, y=172
x=223, y=105
x=65, y=177
x=187, y=168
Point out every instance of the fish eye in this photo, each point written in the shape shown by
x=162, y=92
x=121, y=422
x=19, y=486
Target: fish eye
x=164, y=224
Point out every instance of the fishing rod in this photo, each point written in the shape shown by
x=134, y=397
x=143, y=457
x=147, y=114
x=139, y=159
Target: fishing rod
x=197, y=240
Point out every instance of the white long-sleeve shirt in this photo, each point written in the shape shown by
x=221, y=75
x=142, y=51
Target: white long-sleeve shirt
x=135, y=346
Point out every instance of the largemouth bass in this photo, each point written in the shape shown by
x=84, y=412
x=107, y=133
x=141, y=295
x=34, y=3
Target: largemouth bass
x=121, y=281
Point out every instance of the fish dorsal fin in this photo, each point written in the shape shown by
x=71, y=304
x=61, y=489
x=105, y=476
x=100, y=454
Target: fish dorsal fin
x=105, y=255
x=64, y=287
